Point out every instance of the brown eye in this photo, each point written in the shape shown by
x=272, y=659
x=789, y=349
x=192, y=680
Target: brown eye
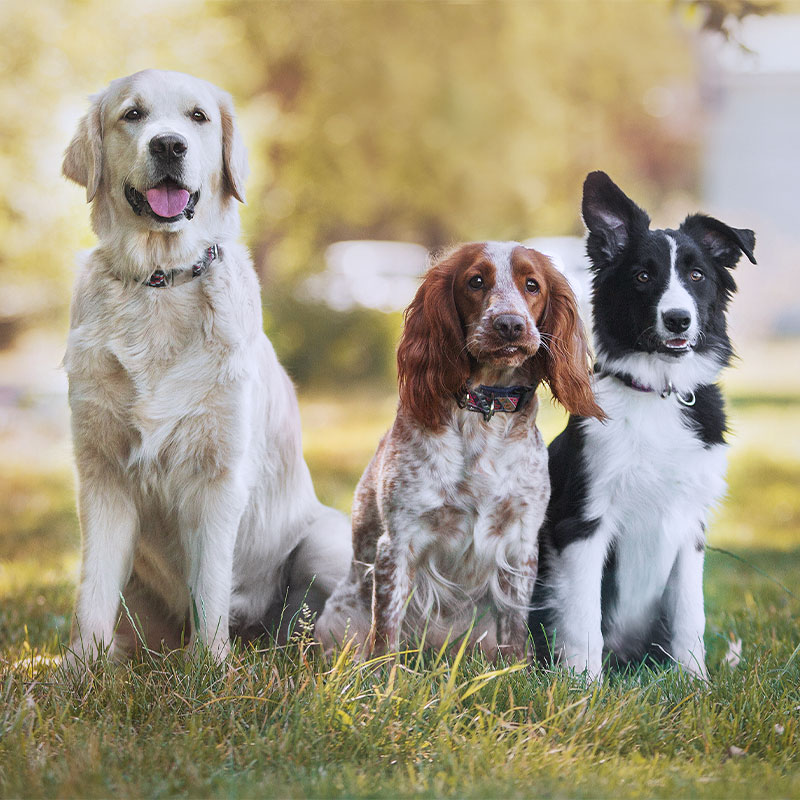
x=696, y=275
x=531, y=286
x=198, y=115
x=133, y=115
x=643, y=276
x=475, y=282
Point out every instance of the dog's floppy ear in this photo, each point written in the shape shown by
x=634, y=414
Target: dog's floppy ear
x=724, y=244
x=83, y=158
x=234, y=154
x=432, y=361
x=611, y=217
x=563, y=357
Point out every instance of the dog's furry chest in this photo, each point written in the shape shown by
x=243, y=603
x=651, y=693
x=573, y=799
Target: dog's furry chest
x=163, y=384
x=651, y=482
x=646, y=462
x=472, y=500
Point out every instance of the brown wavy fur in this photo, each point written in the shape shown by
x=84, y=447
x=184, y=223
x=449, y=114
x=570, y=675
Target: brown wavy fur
x=564, y=355
x=433, y=363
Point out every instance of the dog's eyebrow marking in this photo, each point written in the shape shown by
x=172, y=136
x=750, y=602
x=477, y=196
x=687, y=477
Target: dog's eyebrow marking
x=132, y=101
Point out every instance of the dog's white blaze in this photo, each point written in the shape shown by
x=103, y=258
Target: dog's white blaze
x=676, y=296
x=507, y=297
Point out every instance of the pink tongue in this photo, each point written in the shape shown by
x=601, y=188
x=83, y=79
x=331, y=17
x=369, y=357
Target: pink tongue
x=167, y=201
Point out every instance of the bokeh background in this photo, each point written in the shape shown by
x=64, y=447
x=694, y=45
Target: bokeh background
x=379, y=131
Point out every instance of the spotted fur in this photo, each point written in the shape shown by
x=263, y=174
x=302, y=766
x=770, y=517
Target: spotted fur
x=447, y=514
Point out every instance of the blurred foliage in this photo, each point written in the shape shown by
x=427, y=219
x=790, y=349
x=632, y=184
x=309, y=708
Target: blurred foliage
x=722, y=16
x=322, y=347
x=431, y=122
x=440, y=122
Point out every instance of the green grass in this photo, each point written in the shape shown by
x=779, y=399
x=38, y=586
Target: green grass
x=283, y=722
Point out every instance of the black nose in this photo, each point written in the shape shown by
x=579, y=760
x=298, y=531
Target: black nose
x=676, y=320
x=168, y=146
x=509, y=326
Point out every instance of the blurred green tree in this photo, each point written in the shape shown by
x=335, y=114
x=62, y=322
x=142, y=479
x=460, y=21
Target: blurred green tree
x=431, y=122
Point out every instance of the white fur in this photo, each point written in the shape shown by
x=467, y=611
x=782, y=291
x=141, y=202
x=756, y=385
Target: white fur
x=652, y=484
x=192, y=484
x=658, y=370
x=676, y=296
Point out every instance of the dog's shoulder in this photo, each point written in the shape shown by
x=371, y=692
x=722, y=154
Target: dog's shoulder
x=706, y=416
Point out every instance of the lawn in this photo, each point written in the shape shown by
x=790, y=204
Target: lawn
x=282, y=722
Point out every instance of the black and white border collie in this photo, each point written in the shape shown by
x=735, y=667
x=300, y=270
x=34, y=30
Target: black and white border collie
x=621, y=575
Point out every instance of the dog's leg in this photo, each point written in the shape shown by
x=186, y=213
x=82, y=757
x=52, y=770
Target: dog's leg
x=321, y=561
x=391, y=587
x=209, y=524
x=685, y=608
x=347, y=616
x=109, y=525
x=576, y=581
x=512, y=621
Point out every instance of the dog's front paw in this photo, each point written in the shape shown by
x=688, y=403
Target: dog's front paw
x=513, y=653
x=219, y=649
x=694, y=668
x=80, y=658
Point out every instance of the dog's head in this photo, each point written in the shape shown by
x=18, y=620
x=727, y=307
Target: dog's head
x=659, y=296
x=497, y=310
x=158, y=152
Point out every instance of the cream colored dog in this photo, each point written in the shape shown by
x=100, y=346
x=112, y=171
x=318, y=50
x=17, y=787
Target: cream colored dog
x=196, y=505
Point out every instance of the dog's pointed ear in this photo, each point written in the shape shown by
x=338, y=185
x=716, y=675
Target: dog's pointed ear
x=83, y=158
x=234, y=154
x=724, y=244
x=611, y=217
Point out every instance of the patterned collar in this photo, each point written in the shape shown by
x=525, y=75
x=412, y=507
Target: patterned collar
x=488, y=400
x=687, y=399
x=175, y=277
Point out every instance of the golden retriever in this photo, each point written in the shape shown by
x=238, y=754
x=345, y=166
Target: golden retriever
x=197, y=510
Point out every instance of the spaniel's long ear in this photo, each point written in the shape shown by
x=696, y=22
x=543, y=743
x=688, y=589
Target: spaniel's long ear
x=83, y=159
x=432, y=360
x=234, y=154
x=564, y=352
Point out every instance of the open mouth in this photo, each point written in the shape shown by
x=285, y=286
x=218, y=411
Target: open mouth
x=677, y=345
x=168, y=201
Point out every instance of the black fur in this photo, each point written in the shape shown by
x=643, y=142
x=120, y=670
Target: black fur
x=707, y=415
x=621, y=247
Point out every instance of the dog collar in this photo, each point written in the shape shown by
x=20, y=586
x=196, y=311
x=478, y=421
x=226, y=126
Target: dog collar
x=175, y=277
x=687, y=399
x=488, y=400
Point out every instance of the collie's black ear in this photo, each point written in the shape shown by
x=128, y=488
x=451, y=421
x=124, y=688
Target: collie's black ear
x=723, y=243
x=611, y=217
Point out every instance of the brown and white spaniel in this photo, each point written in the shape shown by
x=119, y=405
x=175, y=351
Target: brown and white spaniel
x=447, y=514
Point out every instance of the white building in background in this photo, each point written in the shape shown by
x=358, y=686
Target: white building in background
x=752, y=148
x=368, y=274
x=750, y=176
x=751, y=161
x=386, y=275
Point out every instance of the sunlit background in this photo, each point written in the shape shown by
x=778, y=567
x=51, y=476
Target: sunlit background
x=377, y=132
